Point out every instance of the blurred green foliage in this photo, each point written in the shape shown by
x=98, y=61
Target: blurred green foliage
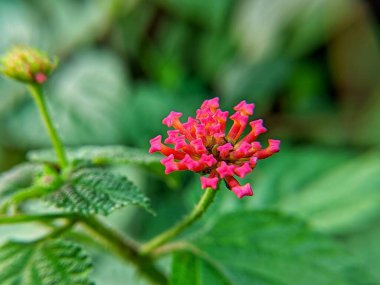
x=310, y=66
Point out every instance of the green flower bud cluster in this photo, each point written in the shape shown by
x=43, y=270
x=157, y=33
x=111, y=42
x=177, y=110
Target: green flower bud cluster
x=27, y=65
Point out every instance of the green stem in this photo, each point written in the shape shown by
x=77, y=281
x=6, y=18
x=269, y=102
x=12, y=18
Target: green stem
x=34, y=218
x=23, y=195
x=188, y=220
x=60, y=230
x=38, y=97
x=126, y=249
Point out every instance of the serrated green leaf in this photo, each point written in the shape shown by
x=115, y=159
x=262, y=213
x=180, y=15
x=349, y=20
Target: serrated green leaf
x=18, y=178
x=90, y=191
x=44, y=263
x=99, y=155
x=264, y=247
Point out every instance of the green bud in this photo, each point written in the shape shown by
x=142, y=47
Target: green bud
x=27, y=65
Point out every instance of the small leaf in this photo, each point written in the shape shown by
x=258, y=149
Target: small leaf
x=43, y=263
x=99, y=155
x=18, y=178
x=90, y=191
x=264, y=247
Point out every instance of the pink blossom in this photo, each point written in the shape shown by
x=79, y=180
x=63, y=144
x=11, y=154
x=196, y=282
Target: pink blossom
x=243, y=170
x=244, y=108
x=242, y=191
x=209, y=182
x=225, y=170
x=224, y=150
x=202, y=145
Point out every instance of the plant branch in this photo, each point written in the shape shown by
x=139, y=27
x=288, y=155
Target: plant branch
x=22, y=195
x=188, y=220
x=60, y=230
x=126, y=249
x=171, y=247
x=38, y=97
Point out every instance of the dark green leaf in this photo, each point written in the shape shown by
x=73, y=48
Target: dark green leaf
x=90, y=191
x=43, y=263
x=263, y=247
x=18, y=178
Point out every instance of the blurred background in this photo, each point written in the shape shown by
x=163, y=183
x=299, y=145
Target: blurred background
x=312, y=68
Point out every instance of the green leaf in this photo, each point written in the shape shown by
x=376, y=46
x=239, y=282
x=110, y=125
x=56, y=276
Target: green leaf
x=99, y=155
x=201, y=272
x=17, y=178
x=264, y=247
x=366, y=247
x=43, y=263
x=342, y=200
x=292, y=171
x=90, y=191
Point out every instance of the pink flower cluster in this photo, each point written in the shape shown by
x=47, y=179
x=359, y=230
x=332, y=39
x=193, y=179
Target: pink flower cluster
x=202, y=145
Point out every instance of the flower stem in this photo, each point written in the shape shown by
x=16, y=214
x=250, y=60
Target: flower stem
x=188, y=220
x=38, y=97
x=126, y=249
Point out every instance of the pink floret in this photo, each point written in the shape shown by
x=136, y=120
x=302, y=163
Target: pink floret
x=208, y=160
x=242, y=191
x=209, y=182
x=244, y=108
x=155, y=144
x=190, y=163
x=171, y=118
x=225, y=149
x=226, y=170
x=170, y=164
x=243, y=170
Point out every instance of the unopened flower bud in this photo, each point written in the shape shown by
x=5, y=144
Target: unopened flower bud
x=27, y=65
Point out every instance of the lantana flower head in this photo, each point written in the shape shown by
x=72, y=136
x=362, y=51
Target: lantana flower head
x=202, y=144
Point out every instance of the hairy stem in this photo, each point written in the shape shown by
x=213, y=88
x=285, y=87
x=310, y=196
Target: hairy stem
x=38, y=97
x=188, y=220
x=127, y=250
